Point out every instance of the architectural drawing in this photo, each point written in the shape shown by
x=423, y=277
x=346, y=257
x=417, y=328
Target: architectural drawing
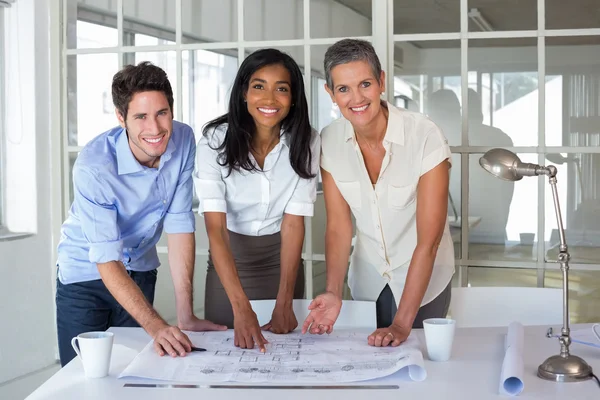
x=343, y=356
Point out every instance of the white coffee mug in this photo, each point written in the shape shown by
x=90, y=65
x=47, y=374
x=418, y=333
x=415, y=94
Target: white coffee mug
x=439, y=336
x=95, y=350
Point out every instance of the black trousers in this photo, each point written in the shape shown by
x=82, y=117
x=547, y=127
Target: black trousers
x=386, y=308
x=89, y=306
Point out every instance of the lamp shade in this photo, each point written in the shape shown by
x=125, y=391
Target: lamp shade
x=502, y=163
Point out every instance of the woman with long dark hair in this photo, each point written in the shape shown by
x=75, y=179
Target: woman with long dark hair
x=255, y=176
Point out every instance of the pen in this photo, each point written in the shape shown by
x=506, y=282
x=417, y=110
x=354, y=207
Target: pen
x=197, y=349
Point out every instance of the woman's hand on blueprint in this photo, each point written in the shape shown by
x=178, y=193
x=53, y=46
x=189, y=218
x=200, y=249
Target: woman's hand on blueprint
x=246, y=329
x=283, y=319
x=324, y=310
x=392, y=335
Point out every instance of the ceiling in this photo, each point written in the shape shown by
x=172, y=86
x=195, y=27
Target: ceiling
x=436, y=16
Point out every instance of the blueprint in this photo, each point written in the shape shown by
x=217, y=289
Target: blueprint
x=343, y=356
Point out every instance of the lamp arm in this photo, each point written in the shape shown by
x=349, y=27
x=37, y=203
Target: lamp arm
x=563, y=259
x=528, y=169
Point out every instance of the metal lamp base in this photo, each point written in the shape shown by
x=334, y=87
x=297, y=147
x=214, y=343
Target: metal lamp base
x=565, y=369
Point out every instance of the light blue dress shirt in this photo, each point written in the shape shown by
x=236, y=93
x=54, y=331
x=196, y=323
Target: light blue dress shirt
x=121, y=207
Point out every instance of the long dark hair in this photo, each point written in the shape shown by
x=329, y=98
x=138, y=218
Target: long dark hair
x=235, y=149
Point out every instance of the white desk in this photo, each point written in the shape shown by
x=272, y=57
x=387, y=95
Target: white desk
x=473, y=373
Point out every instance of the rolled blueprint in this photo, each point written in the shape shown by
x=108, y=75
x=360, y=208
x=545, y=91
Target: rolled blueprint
x=511, y=377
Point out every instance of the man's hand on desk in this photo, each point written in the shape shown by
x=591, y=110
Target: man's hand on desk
x=393, y=335
x=324, y=311
x=283, y=320
x=171, y=340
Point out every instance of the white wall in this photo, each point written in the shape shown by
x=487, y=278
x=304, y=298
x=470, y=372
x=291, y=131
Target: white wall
x=28, y=336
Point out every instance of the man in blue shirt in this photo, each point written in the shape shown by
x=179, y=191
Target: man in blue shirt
x=129, y=183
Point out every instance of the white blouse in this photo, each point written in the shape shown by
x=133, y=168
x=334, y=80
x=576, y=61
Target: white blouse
x=385, y=213
x=254, y=201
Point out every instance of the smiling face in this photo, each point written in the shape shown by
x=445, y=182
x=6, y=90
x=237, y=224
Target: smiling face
x=269, y=96
x=356, y=91
x=149, y=126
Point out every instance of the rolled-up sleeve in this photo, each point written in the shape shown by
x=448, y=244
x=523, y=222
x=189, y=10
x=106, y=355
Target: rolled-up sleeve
x=436, y=150
x=210, y=187
x=180, y=217
x=98, y=216
x=305, y=193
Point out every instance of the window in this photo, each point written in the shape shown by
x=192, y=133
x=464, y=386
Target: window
x=425, y=73
x=18, y=191
x=324, y=111
x=206, y=81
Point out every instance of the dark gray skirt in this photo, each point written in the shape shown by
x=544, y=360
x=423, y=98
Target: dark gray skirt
x=257, y=259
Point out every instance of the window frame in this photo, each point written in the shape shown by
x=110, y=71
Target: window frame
x=385, y=40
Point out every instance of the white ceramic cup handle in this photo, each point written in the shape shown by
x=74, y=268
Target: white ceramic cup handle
x=75, y=347
x=596, y=330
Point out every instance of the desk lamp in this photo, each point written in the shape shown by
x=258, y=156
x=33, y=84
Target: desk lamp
x=506, y=165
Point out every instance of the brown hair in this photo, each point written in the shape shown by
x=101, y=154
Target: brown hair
x=133, y=79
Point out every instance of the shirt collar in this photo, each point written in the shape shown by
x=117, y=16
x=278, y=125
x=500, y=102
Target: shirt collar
x=395, y=126
x=348, y=131
x=284, y=137
x=126, y=162
x=170, y=148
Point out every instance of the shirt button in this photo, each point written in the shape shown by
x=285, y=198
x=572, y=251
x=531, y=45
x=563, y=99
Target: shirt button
x=377, y=226
x=164, y=202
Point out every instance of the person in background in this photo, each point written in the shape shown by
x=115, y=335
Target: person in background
x=491, y=230
x=389, y=168
x=129, y=183
x=256, y=178
x=444, y=109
